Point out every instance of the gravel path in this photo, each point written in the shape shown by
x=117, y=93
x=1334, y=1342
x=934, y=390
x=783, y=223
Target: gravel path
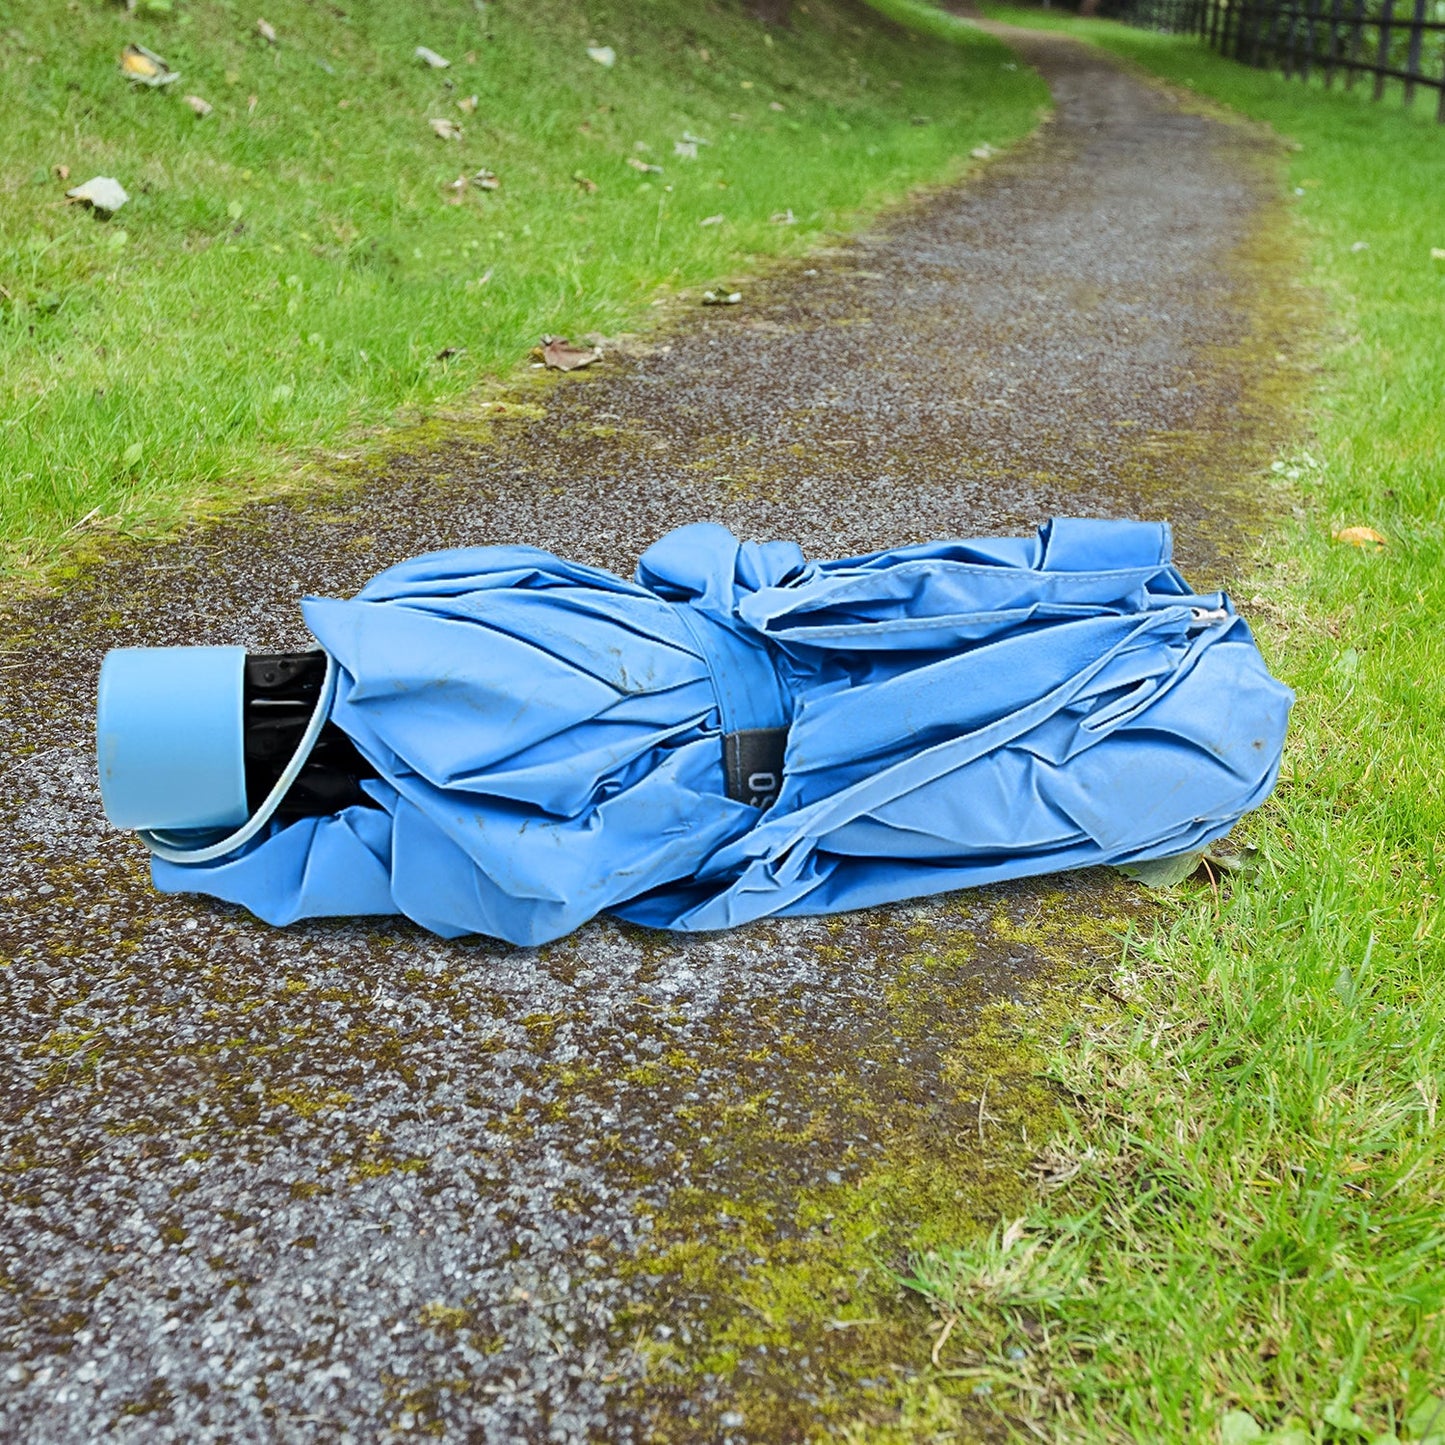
x=346, y=1179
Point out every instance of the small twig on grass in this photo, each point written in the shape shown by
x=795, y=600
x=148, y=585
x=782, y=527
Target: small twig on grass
x=1209, y=873
x=76, y=526
x=1108, y=992
x=942, y=1339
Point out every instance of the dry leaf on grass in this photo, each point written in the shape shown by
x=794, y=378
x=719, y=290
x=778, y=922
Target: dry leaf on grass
x=62, y=173
x=201, y=107
x=1163, y=872
x=431, y=58
x=482, y=181
x=101, y=193
x=560, y=355
x=447, y=129
x=586, y=182
x=266, y=31
x=604, y=55
x=145, y=67
x=468, y=104
x=643, y=166
x=1360, y=537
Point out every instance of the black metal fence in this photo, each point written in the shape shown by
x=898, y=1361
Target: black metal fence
x=1385, y=40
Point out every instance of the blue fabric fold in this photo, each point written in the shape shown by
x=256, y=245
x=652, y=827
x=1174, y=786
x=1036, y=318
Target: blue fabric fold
x=549, y=736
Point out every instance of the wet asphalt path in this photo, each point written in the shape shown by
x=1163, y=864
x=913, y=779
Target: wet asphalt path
x=346, y=1179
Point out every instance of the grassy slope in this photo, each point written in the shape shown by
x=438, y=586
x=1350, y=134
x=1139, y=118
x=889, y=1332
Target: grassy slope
x=1255, y=1238
x=287, y=272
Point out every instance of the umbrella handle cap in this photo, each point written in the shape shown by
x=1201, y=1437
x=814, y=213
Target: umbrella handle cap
x=169, y=737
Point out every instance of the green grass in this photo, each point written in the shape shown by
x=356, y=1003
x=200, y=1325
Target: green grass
x=290, y=268
x=1248, y=1240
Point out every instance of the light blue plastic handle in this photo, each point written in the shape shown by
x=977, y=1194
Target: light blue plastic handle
x=175, y=850
x=169, y=737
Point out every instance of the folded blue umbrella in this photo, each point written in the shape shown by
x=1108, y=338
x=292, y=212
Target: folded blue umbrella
x=741, y=733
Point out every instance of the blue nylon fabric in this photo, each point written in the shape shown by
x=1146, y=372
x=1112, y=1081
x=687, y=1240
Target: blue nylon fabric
x=549, y=735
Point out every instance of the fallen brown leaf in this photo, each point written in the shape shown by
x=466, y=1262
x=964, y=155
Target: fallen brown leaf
x=62, y=173
x=586, y=182
x=483, y=181
x=1360, y=537
x=643, y=166
x=560, y=355
x=468, y=104
x=145, y=67
x=447, y=129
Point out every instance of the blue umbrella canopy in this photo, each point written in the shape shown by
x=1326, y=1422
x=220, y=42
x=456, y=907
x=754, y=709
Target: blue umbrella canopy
x=741, y=733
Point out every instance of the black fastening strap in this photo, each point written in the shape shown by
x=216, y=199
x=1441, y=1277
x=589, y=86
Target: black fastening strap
x=753, y=762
